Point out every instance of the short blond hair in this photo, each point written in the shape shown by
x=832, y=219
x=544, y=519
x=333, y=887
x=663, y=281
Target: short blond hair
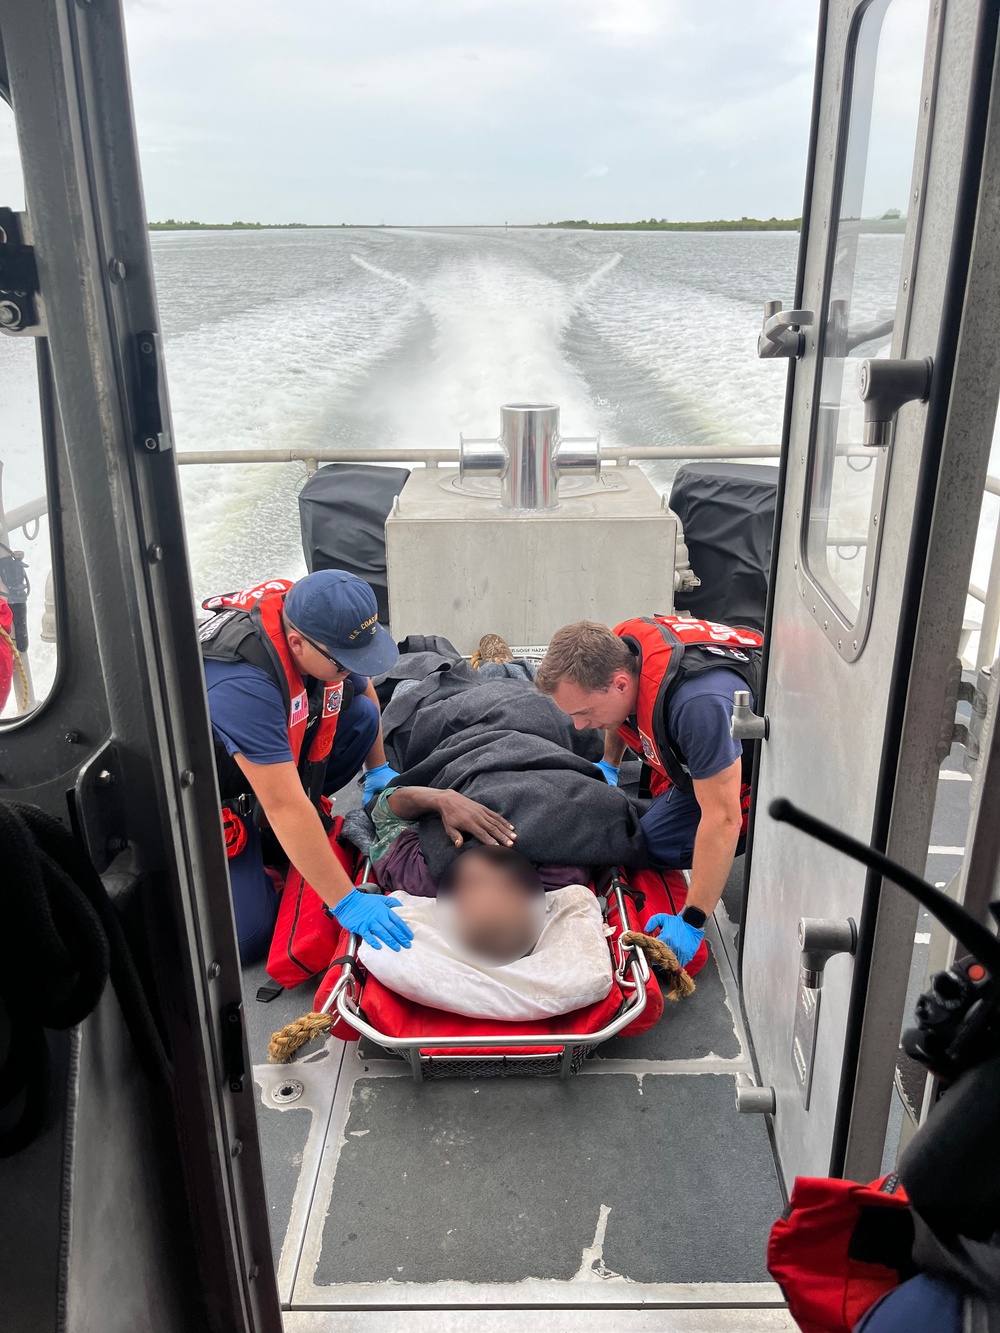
x=585, y=654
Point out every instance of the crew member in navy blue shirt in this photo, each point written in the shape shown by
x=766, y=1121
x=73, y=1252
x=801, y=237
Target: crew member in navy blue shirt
x=325, y=629
x=593, y=675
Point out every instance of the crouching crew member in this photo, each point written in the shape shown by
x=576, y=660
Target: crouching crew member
x=663, y=686
x=294, y=718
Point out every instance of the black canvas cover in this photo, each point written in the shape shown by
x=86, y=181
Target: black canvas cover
x=727, y=510
x=342, y=513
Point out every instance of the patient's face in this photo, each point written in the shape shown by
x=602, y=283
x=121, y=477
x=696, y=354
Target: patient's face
x=492, y=915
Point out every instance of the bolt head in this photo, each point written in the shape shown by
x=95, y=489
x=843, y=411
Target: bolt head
x=116, y=270
x=10, y=315
x=214, y=970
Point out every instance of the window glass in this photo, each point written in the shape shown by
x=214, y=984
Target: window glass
x=848, y=479
x=27, y=628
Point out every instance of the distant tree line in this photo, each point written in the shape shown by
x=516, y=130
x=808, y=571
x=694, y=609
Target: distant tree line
x=172, y=224
x=661, y=224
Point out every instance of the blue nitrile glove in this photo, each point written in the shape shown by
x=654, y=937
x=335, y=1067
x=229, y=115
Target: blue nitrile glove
x=609, y=771
x=371, y=916
x=377, y=779
x=675, y=931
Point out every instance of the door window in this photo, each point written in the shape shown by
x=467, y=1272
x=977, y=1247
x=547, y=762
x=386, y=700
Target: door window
x=864, y=308
x=27, y=618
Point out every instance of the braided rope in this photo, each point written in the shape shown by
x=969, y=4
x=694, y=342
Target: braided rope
x=22, y=674
x=677, y=985
x=292, y=1036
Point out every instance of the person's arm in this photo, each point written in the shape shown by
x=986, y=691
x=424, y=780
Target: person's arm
x=296, y=824
x=614, y=749
x=376, y=755
x=458, y=814
x=717, y=836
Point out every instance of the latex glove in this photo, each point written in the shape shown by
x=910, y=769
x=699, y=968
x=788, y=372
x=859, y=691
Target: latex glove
x=371, y=916
x=675, y=931
x=377, y=779
x=610, y=772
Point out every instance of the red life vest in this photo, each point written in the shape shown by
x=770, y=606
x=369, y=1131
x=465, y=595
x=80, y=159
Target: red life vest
x=671, y=649
x=6, y=654
x=247, y=628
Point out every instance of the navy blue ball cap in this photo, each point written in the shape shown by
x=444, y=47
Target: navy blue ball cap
x=340, y=612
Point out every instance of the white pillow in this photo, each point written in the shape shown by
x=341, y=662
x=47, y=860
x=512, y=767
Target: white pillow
x=570, y=966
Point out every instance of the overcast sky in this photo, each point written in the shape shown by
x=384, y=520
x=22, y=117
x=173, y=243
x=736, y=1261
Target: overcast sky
x=466, y=111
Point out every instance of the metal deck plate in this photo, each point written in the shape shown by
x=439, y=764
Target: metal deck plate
x=502, y=1180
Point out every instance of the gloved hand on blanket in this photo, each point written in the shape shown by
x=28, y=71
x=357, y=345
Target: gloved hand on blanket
x=377, y=779
x=683, y=938
x=609, y=771
x=371, y=916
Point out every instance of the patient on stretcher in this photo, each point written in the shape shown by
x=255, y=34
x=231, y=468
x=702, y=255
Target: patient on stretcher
x=491, y=905
x=494, y=944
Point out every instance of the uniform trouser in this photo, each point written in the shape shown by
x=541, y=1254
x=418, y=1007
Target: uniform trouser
x=255, y=903
x=670, y=825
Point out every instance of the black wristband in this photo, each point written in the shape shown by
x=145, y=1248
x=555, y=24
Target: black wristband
x=694, y=916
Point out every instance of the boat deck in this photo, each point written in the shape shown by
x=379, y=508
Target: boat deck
x=634, y=1186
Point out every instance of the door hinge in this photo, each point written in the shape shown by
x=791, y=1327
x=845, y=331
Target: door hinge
x=234, y=1063
x=957, y=730
x=150, y=435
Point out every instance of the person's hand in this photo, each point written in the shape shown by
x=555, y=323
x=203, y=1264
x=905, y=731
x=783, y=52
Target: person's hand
x=377, y=779
x=684, y=939
x=461, y=815
x=609, y=771
x=371, y=916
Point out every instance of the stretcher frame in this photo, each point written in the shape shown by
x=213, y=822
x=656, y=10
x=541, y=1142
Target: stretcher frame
x=631, y=971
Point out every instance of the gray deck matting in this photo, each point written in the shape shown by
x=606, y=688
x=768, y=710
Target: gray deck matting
x=283, y=1136
x=501, y=1180
x=690, y=1029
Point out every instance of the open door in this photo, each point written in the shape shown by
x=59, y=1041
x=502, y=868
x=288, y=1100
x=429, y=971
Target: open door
x=872, y=554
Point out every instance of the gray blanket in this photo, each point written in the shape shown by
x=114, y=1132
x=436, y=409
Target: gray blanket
x=506, y=745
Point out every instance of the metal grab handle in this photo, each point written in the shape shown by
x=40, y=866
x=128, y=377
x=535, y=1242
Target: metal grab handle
x=820, y=938
x=746, y=725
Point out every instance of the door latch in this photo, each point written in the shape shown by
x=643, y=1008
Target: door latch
x=20, y=303
x=884, y=387
x=781, y=333
x=746, y=725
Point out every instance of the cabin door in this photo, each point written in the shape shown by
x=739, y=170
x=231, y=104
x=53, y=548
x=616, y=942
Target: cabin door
x=873, y=555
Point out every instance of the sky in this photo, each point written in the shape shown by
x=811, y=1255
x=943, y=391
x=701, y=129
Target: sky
x=471, y=111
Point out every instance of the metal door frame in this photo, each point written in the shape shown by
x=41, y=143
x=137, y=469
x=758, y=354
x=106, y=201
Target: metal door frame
x=127, y=640
x=961, y=410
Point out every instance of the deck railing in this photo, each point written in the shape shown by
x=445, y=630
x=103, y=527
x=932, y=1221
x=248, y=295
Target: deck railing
x=21, y=516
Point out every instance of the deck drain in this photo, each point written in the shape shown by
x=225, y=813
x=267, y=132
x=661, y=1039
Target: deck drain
x=288, y=1091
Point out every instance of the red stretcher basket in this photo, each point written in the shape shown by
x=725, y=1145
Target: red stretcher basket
x=438, y=1044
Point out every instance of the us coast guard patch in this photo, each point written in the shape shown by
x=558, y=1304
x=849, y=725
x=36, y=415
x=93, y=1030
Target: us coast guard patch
x=333, y=697
x=649, y=749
